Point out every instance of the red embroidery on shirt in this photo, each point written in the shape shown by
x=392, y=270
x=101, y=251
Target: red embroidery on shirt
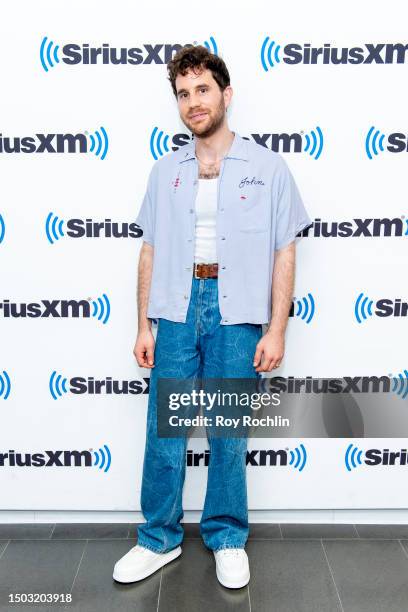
x=176, y=183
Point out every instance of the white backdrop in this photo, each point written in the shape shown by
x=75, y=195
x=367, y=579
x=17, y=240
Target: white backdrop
x=123, y=104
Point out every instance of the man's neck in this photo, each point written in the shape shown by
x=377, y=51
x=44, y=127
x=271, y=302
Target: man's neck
x=214, y=147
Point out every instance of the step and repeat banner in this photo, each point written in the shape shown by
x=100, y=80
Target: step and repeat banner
x=86, y=110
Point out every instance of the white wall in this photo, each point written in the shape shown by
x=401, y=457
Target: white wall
x=128, y=101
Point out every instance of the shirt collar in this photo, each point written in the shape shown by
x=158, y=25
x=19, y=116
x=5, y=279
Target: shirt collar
x=238, y=150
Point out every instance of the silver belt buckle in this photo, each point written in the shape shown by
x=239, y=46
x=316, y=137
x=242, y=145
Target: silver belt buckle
x=195, y=271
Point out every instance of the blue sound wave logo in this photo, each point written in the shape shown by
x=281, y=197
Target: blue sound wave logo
x=305, y=308
x=57, y=385
x=269, y=54
x=159, y=143
x=374, y=142
x=2, y=228
x=103, y=458
x=363, y=308
x=314, y=142
x=48, y=54
x=5, y=385
x=101, y=308
x=54, y=227
x=352, y=457
x=99, y=142
x=298, y=457
x=211, y=46
x=400, y=384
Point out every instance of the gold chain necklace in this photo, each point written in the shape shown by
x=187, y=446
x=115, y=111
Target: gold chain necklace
x=210, y=163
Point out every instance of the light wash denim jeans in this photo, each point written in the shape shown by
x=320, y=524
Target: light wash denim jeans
x=198, y=348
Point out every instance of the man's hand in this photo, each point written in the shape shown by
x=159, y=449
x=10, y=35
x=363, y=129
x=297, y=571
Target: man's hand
x=144, y=349
x=269, y=350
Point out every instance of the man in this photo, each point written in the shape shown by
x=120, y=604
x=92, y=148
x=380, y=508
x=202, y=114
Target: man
x=219, y=219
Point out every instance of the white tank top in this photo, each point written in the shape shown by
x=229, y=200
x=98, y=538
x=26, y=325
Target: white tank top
x=206, y=221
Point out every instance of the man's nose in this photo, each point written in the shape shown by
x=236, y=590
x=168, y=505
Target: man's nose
x=194, y=101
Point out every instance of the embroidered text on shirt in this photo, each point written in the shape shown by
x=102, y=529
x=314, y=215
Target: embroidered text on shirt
x=245, y=182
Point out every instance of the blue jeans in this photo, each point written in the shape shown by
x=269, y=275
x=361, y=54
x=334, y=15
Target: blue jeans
x=198, y=348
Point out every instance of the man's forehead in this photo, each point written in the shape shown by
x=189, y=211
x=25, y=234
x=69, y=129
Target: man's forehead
x=192, y=75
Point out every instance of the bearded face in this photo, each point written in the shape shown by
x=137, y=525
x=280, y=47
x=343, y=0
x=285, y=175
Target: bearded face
x=201, y=102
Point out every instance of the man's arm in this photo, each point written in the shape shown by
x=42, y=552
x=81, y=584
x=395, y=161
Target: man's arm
x=271, y=347
x=283, y=281
x=144, y=347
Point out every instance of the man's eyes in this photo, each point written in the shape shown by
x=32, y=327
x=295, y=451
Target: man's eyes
x=202, y=89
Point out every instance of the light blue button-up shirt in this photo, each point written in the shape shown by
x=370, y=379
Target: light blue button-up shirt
x=259, y=210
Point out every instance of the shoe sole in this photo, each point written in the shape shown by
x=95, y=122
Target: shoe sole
x=233, y=585
x=170, y=556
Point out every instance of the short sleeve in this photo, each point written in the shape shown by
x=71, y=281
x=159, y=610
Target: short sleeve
x=292, y=216
x=146, y=216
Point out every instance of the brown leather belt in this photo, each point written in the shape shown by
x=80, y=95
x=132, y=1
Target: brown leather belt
x=203, y=270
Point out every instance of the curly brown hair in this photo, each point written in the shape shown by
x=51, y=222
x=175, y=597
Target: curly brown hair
x=193, y=56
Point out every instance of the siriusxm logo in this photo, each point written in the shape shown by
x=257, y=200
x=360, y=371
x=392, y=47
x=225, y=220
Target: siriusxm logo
x=310, y=142
x=397, y=142
x=295, y=458
x=385, y=307
x=355, y=457
x=71, y=54
x=397, y=384
x=2, y=228
x=96, y=143
x=400, y=384
x=272, y=54
x=100, y=458
x=59, y=309
x=5, y=385
x=57, y=228
x=79, y=385
x=358, y=228
x=303, y=307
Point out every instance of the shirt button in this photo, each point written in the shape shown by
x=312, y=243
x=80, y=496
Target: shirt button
x=224, y=296
x=223, y=267
x=222, y=237
x=189, y=239
x=186, y=297
x=188, y=268
x=191, y=210
x=221, y=209
x=195, y=182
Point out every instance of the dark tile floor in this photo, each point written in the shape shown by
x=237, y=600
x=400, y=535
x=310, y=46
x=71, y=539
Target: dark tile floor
x=294, y=567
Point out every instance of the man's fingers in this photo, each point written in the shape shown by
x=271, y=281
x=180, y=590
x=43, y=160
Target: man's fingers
x=257, y=356
x=144, y=357
x=150, y=355
x=268, y=364
x=272, y=365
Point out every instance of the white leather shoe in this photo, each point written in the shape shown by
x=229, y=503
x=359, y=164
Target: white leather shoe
x=232, y=567
x=140, y=562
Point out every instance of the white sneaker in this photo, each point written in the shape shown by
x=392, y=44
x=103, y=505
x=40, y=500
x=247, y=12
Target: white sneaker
x=140, y=562
x=232, y=567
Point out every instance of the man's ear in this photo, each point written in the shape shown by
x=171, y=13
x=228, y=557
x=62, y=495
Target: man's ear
x=228, y=91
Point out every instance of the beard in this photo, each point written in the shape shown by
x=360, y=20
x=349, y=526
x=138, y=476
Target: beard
x=210, y=124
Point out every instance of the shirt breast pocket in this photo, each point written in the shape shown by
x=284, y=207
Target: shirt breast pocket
x=254, y=213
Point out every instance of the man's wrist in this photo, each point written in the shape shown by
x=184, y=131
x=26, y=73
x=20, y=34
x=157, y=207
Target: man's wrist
x=276, y=328
x=144, y=325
